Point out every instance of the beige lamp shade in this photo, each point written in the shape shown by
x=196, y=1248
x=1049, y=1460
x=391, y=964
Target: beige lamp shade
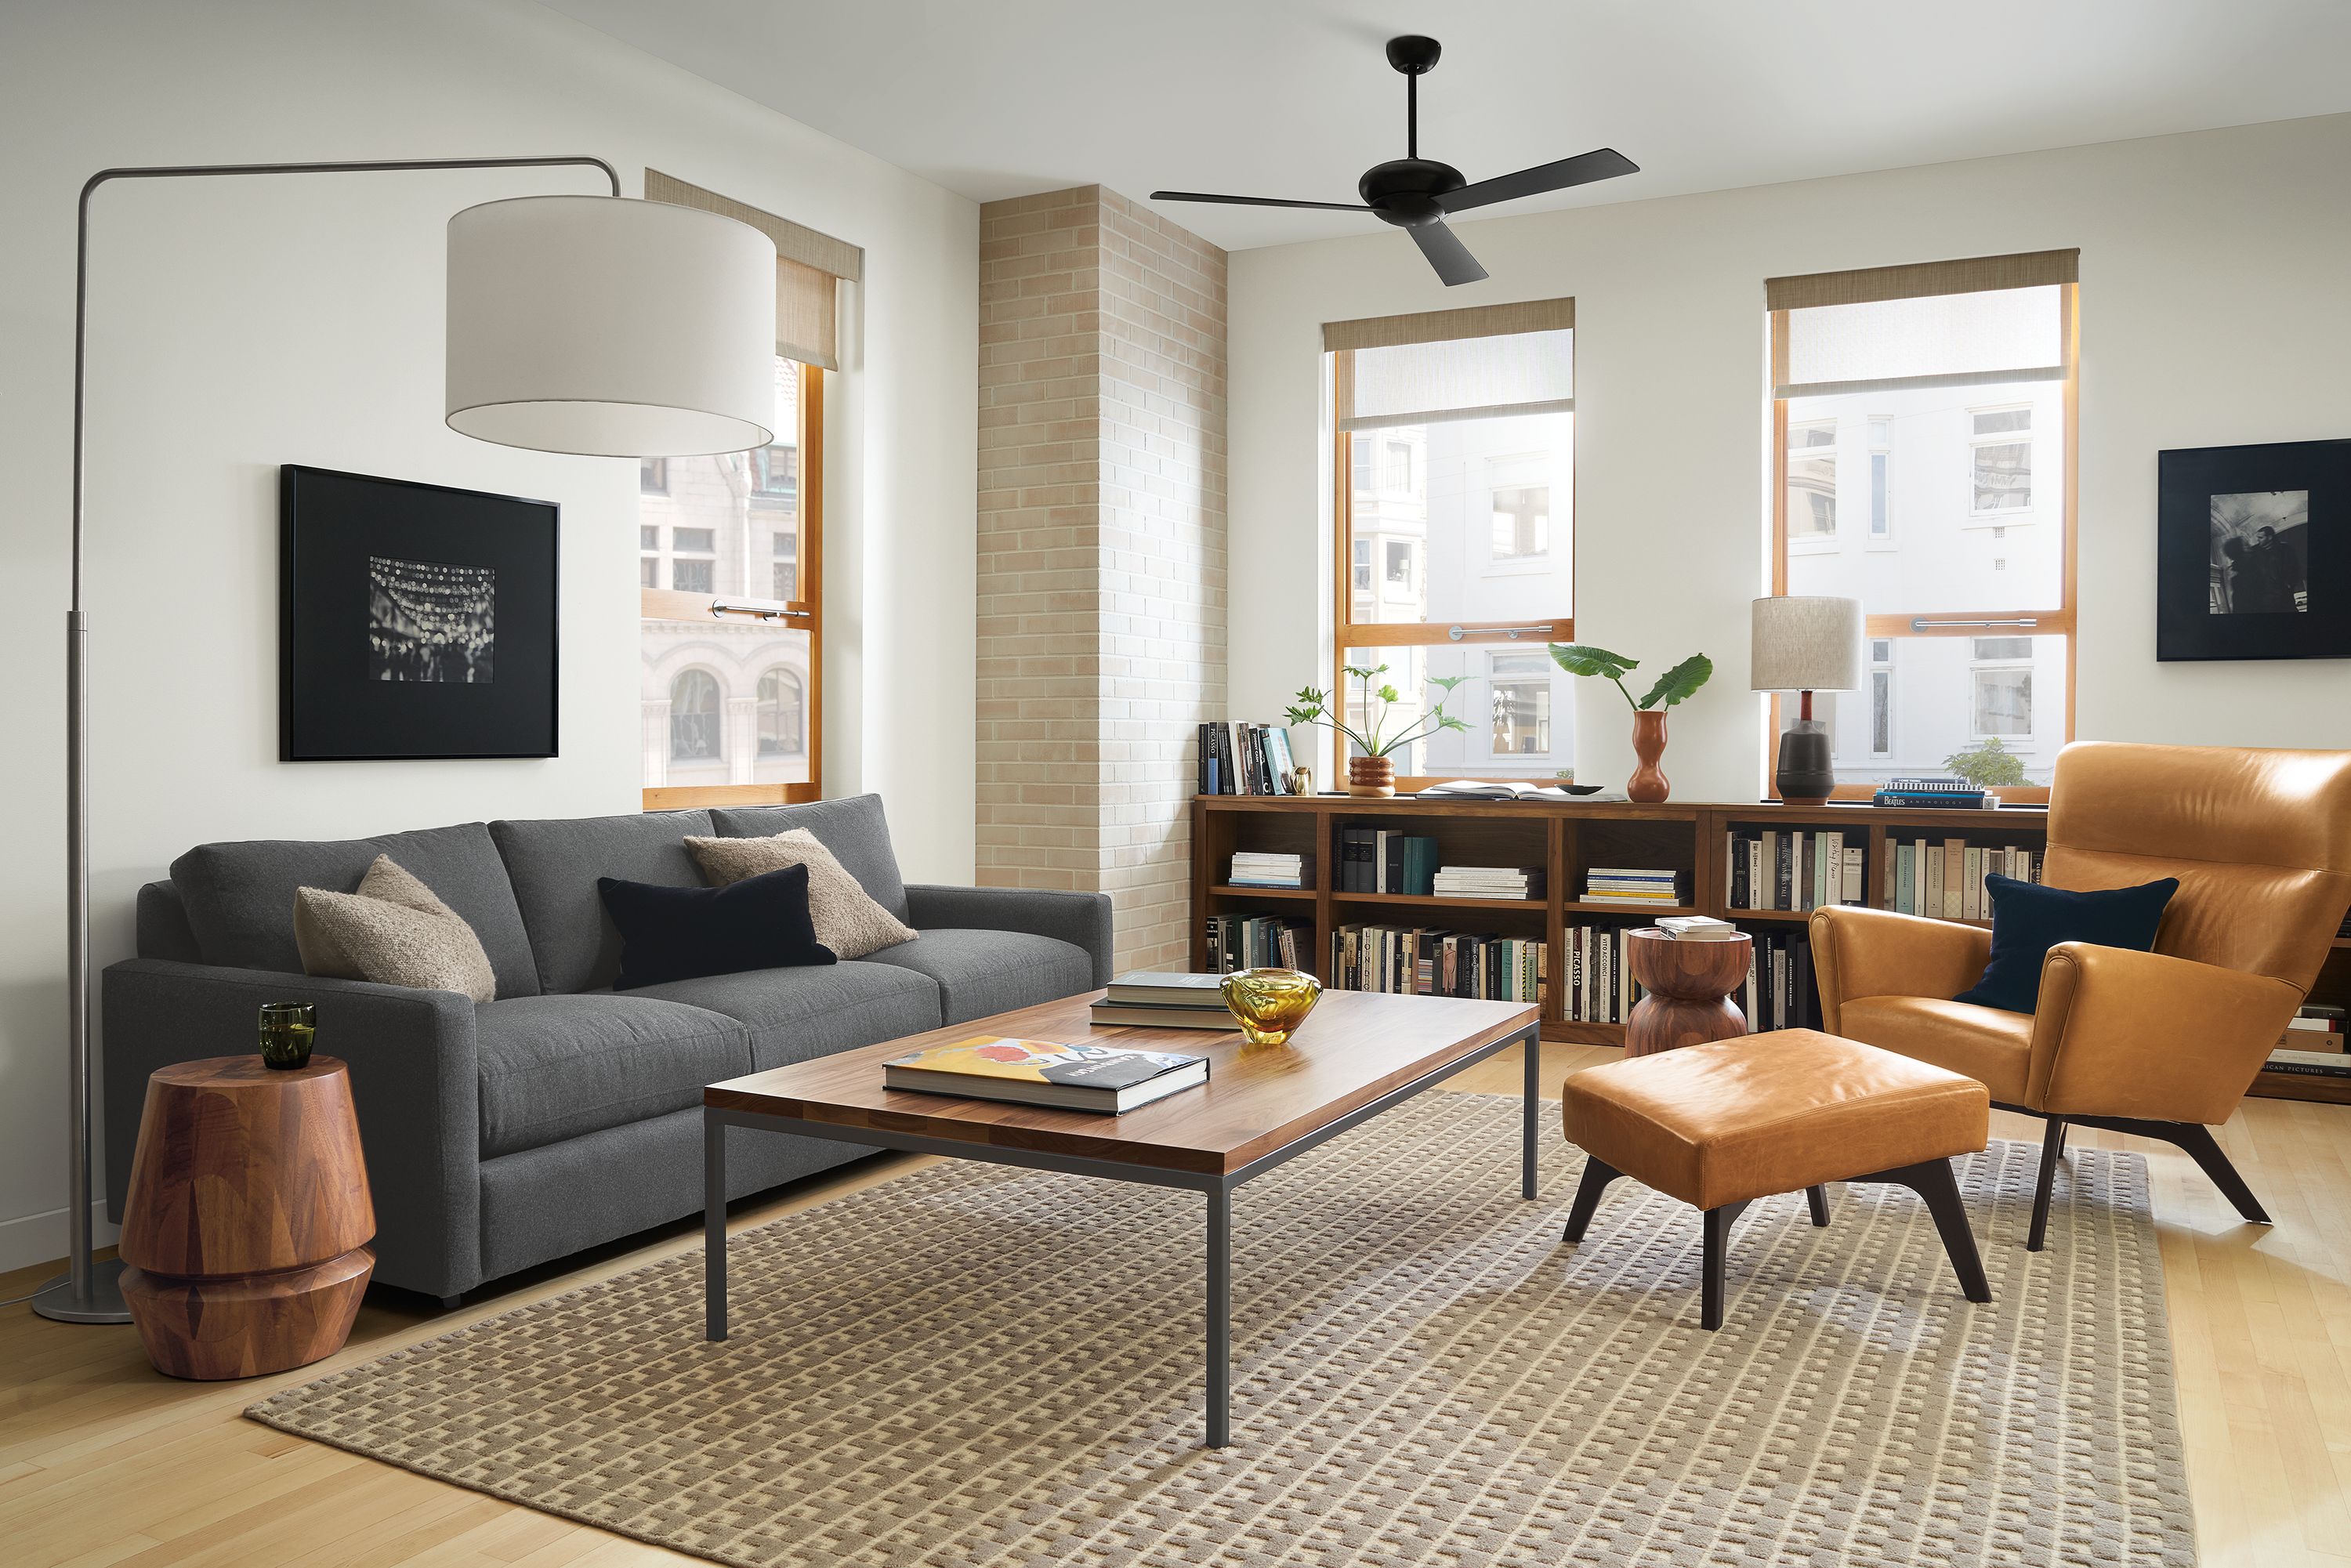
x=1805, y=642
x=610, y=328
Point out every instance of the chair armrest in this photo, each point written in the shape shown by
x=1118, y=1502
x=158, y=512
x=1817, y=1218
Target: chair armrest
x=2122, y=1033
x=415, y=1083
x=1081, y=919
x=1877, y=953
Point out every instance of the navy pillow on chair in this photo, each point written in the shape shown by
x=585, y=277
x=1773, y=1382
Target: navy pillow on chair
x=2028, y=919
x=679, y=933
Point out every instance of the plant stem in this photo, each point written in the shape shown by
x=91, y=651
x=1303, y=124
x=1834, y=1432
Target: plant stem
x=1628, y=695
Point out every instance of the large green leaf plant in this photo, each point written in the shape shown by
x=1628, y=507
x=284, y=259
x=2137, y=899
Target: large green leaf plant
x=1674, y=686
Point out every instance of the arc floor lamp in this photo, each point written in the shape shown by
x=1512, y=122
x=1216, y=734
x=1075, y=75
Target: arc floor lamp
x=596, y=325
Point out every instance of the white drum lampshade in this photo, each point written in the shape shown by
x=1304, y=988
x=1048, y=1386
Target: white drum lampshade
x=1805, y=642
x=610, y=328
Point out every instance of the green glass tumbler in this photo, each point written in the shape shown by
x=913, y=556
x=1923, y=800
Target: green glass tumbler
x=285, y=1032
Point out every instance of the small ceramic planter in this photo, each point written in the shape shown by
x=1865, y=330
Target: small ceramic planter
x=1371, y=776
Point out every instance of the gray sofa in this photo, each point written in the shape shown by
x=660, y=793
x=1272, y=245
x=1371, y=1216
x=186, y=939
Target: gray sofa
x=562, y=1114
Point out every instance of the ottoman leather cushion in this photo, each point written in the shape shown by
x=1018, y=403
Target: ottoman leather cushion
x=1766, y=1113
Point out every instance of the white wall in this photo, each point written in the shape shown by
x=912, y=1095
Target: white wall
x=240, y=324
x=2216, y=308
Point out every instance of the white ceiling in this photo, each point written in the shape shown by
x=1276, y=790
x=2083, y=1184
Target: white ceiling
x=1293, y=98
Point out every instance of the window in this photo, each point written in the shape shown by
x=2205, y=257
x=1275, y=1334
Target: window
x=1962, y=375
x=694, y=541
x=693, y=576
x=774, y=471
x=649, y=539
x=649, y=571
x=783, y=731
x=2001, y=464
x=1812, y=480
x=1454, y=480
x=694, y=712
x=653, y=475
x=785, y=569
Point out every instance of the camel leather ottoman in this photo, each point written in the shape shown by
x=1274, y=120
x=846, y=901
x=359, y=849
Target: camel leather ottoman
x=1720, y=1125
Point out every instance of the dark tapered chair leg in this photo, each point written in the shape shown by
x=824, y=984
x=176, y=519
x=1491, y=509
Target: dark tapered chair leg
x=1719, y=1222
x=1596, y=1178
x=2052, y=1149
x=1936, y=1184
x=2206, y=1152
x=1818, y=1198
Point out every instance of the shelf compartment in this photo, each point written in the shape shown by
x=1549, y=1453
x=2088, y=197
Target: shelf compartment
x=1226, y=890
x=1441, y=901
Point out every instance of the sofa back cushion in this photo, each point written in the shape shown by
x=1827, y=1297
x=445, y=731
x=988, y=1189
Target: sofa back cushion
x=555, y=862
x=239, y=897
x=853, y=830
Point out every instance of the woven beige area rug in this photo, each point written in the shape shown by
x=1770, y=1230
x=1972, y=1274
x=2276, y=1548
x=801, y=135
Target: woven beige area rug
x=973, y=1366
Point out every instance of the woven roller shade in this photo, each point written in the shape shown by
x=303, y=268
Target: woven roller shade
x=2034, y=269
x=808, y=267
x=1995, y=320
x=1442, y=326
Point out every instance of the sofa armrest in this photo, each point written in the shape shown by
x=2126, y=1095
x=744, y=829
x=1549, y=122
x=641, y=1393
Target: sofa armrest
x=1862, y=951
x=1081, y=919
x=414, y=1080
x=2123, y=1033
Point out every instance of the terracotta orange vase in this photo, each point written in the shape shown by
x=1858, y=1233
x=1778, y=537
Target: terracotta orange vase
x=1648, y=784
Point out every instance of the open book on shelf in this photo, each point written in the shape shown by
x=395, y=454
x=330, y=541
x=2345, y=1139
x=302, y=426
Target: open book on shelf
x=1504, y=790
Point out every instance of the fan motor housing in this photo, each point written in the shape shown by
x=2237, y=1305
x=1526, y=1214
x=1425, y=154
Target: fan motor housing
x=1405, y=191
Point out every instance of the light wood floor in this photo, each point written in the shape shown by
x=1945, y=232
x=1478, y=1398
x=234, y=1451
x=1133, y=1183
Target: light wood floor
x=103, y=1461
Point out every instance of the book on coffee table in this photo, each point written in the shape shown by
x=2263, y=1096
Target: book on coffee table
x=1046, y=1072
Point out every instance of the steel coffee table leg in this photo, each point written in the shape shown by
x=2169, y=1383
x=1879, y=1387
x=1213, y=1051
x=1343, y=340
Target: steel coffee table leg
x=1532, y=1044
x=1220, y=1317
x=713, y=1228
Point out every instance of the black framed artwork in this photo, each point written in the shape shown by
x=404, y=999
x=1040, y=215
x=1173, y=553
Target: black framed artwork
x=2253, y=552
x=414, y=620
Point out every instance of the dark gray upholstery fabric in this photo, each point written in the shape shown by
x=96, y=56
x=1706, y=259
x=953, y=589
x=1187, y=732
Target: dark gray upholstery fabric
x=1081, y=919
x=553, y=1202
x=163, y=930
x=555, y=863
x=556, y=1066
x=239, y=897
x=855, y=829
x=983, y=972
x=412, y=1066
x=796, y=1014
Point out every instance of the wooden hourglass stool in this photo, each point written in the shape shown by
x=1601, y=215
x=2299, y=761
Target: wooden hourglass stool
x=1689, y=985
x=248, y=1216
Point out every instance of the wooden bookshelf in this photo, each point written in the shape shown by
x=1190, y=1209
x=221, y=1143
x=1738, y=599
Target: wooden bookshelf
x=1568, y=839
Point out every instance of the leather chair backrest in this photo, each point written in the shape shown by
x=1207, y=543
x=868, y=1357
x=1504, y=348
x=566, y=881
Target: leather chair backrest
x=2260, y=840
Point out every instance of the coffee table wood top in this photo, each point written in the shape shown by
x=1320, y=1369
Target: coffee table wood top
x=1353, y=1047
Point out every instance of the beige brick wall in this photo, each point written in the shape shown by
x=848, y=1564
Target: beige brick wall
x=1102, y=551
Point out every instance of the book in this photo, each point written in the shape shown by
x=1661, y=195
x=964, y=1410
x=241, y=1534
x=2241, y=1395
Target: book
x=2309, y=1063
x=1111, y=1015
x=1054, y=1073
x=1696, y=928
x=1504, y=790
x=1167, y=986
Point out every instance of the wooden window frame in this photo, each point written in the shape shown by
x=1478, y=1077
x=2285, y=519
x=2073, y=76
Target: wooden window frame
x=2062, y=621
x=1347, y=632
x=805, y=612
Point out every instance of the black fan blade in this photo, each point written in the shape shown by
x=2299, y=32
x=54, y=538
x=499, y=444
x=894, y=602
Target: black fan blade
x=1605, y=164
x=1256, y=201
x=1446, y=253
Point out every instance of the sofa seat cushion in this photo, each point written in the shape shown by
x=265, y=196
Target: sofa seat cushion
x=1993, y=1046
x=555, y=1067
x=983, y=972
x=796, y=1015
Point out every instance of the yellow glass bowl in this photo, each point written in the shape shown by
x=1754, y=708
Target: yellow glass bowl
x=1270, y=1003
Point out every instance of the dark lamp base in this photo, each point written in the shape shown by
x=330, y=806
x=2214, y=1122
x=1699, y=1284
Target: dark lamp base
x=1804, y=775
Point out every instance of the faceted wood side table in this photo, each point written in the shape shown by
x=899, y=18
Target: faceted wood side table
x=248, y=1216
x=1689, y=985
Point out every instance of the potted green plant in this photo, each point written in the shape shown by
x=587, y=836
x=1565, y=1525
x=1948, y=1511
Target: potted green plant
x=1648, y=782
x=1372, y=772
x=1987, y=765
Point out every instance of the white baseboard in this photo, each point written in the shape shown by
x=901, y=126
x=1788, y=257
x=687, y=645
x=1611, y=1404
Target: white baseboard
x=41, y=1237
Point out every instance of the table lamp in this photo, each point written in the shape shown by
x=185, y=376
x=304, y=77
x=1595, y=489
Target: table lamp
x=1807, y=643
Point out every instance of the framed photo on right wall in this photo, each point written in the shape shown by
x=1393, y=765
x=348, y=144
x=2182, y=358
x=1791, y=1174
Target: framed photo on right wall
x=2254, y=552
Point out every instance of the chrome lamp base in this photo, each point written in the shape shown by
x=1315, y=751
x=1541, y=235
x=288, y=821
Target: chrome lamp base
x=57, y=1300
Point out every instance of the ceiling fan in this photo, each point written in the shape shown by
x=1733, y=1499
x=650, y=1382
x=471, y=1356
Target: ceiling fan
x=1417, y=193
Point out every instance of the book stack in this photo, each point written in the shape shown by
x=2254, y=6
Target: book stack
x=1696, y=928
x=1945, y=877
x=1775, y=868
x=1489, y=882
x=1256, y=868
x=1409, y=961
x=1245, y=760
x=1164, y=999
x=1942, y=794
x=1378, y=860
x=2313, y=1044
x=1046, y=1072
x=1622, y=885
x=1259, y=942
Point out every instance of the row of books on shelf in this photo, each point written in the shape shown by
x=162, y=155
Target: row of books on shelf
x=2313, y=1044
x=1423, y=962
x=1771, y=868
x=1262, y=868
x=1635, y=885
x=1945, y=878
x=1245, y=760
x=1259, y=942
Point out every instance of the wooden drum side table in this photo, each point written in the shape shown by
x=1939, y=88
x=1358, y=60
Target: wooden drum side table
x=248, y=1219
x=1689, y=985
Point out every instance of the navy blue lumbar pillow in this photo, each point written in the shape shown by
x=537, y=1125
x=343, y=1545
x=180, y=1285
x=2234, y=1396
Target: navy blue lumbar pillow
x=2028, y=919
x=678, y=933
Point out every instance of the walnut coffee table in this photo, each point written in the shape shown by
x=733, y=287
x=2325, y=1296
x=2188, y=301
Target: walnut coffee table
x=1358, y=1054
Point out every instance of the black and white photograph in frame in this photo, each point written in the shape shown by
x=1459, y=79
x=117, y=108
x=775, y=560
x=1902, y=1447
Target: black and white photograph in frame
x=2253, y=552
x=415, y=619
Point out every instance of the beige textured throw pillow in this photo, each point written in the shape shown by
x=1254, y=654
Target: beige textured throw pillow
x=393, y=931
x=847, y=919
